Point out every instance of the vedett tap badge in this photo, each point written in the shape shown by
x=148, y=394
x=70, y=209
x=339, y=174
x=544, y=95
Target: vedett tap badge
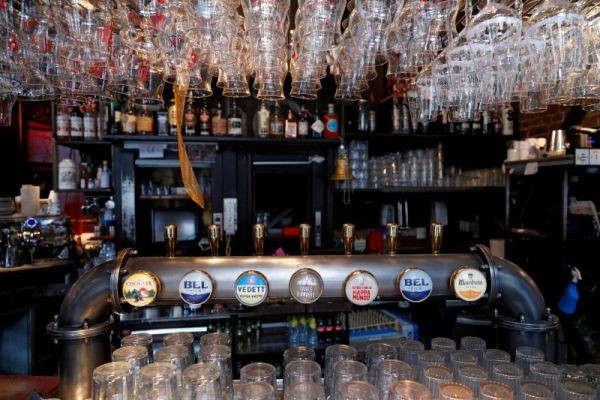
x=415, y=285
x=361, y=288
x=251, y=288
x=469, y=284
x=196, y=287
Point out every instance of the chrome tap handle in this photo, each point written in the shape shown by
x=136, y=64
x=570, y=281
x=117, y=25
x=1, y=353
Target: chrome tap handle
x=391, y=237
x=214, y=238
x=170, y=239
x=436, y=232
x=258, y=235
x=304, y=239
x=348, y=238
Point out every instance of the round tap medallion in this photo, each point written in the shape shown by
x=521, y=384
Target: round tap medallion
x=361, y=288
x=306, y=286
x=196, y=287
x=469, y=284
x=141, y=288
x=251, y=288
x=415, y=285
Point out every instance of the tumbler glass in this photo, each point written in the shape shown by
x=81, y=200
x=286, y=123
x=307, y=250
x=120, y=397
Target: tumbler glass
x=455, y=391
x=525, y=355
x=475, y=344
x=409, y=390
x=201, y=382
x=434, y=376
x=375, y=353
x=494, y=356
x=461, y=358
x=490, y=390
x=185, y=339
x=255, y=391
x=592, y=372
x=304, y=391
x=409, y=351
x=136, y=356
x=158, y=381
x=347, y=371
x=215, y=338
x=220, y=356
x=444, y=346
x=176, y=354
x=301, y=371
x=140, y=339
x=333, y=354
x=356, y=390
x=576, y=390
x=259, y=372
x=389, y=371
x=547, y=373
x=298, y=353
x=472, y=376
x=113, y=380
x=508, y=373
x=534, y=391
x=427, y=358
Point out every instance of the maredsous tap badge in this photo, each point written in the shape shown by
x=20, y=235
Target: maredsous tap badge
x=251, y=288
x=361, y=288
x=415, y=285
x=196, y=287
x=469, y=284
x=141, y=288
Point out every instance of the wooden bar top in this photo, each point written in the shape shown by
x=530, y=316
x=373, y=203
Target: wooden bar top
x=18, y=387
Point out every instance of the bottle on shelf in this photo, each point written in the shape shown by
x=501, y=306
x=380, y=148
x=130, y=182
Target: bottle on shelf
x=104, y=176
x=476, y=127
x=129, y=120
x=291, y=126
x=172, y=111
x=303, y=123
x=204, y=118
x=405, y=115
x=317, y=127
x=262, y=121
x=76, y=123
x=189, y=116
x=396, y=114
x=507, y=120
x=114, y=118
x=465, y=128
x=89, y=123
x=62, y=123
x=487, y=126
x=497, y=124
x=277, y=122
x=144, y=121
x=445, y=125
x=362, y=124
x=372, y=113
x=218, y=122
x=234, y=121
x=331, y=121
x=83, y=176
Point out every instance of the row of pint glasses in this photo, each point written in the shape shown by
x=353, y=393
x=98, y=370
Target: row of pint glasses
x=380, y=371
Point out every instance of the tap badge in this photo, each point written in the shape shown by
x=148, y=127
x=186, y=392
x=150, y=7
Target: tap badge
x=469, y=284
x=306, y=286
x=196, y=287
x=251, y=288
x=361, y=288
x=415, y=285
x=141, y=288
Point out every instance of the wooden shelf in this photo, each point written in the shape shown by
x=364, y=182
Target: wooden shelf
x=431, y=189
x=421, y=136
x=221, y=139
x=82, y=143
x=87, y=191
x=557, y=161
x=164, y=197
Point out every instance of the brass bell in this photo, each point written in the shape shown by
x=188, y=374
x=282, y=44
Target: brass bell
x=342, y=169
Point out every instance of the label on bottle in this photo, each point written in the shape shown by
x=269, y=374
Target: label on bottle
x=130, y=123
x=204, y=124
x=251, y=288
x=415, y=285
x=303, y=128
x=318, y=127
x=189, y=120
x=89, y=127
x=196, y=287
x=263, y=122
x=219, y=126
x=507, y=121
x=234, y=126
x=332, y=125
x=161, y=122
x=76, y=126
x=396, y=118
x=173, y=115
x=469, y=284
x=144, y=124
x=291, y=130
x=361, y=288
x=62, y=125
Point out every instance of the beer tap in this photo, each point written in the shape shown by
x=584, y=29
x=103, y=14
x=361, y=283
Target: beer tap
x=436, y=232
x=214, y=238
x=304, y=238
x=31, y=235
x=391, y=237
x=258, y=235
x=170, y=239
x=348, y=238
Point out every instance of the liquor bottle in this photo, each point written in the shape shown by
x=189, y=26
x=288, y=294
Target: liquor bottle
x=218, y=122
x=372, y=113
x=263, y=121
x=172, y=118
x=396, y=115
x=76, y=123
x=291, y=126
x=362, y=124
x=114, y=118
x=445, y=125
x=277, y=122
x=487, y=126
x=477, y=123
x=104, y=176
x=234, y=121
x=62, y=123
x=497, y=124
x=331, y=122
x=465, y=128
x=405, y=115
x=317, y=127
x=507, y=120
x=189, y=116
x=129, y=120
x=303, y=123
x=162, y=122
x=144, y=121
x=204, y=117
x=89, y=123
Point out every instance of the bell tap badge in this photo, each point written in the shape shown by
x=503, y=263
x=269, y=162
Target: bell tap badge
x=469, y=284
x=251, y=288
x=141, y=288
x=415, y=285
x=196, y=287
x=361, y=288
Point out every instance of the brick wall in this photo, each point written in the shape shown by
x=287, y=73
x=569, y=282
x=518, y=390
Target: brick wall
x=534, y=125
